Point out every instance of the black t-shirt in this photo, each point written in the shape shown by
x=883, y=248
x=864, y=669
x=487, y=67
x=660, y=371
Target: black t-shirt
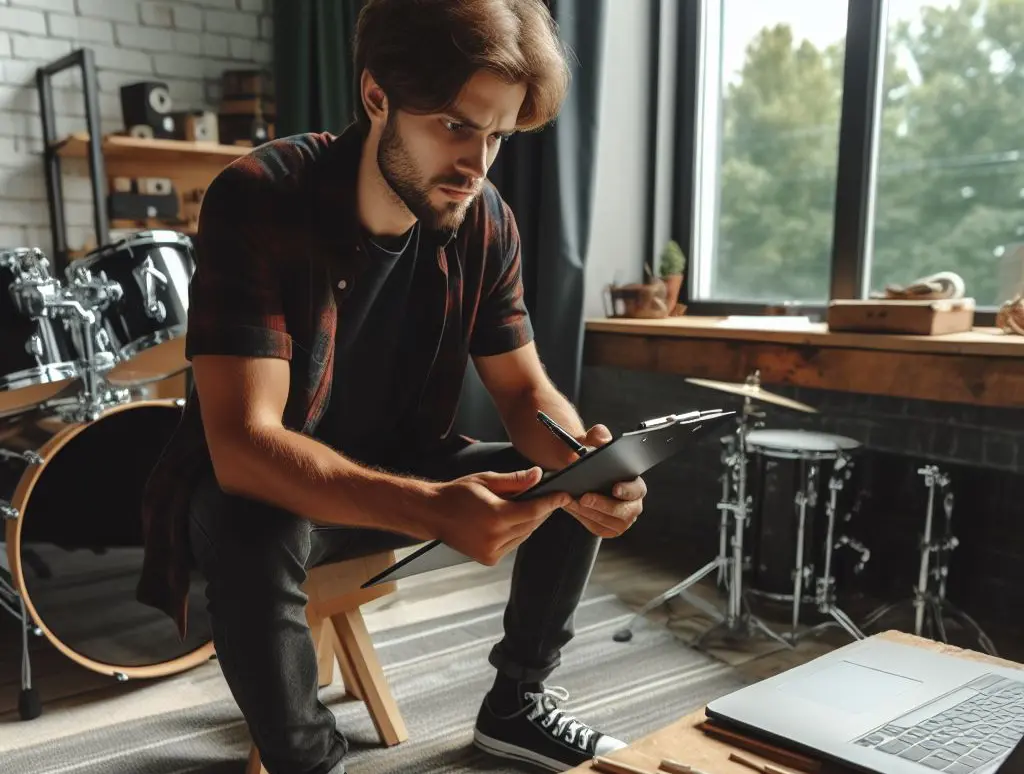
x=370, y=400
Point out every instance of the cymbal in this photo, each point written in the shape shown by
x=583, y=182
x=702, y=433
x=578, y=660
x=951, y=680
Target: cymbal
x=754, y=392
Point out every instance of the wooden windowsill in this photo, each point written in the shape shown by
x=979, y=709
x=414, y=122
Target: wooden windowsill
x=982, y=367
x=989, y=342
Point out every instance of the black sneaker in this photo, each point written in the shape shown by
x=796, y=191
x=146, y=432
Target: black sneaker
x=541, y=733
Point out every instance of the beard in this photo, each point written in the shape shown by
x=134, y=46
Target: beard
x=402, y=175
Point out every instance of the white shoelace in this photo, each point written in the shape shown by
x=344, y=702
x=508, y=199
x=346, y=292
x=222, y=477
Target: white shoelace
x=556, y=721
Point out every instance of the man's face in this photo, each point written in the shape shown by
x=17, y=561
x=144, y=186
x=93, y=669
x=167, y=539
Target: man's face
x=436, y=163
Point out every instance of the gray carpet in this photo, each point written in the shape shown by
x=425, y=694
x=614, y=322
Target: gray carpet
x=438, y=671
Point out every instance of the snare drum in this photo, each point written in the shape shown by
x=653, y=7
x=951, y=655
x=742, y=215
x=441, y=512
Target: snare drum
x=75, y=548
x=37, y=353
x=147, y=326
x=790, y=466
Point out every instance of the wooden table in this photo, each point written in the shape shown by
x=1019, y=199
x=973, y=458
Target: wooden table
x=983, y=367
x=683, y=742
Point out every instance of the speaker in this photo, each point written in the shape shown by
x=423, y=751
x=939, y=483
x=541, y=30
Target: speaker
x=139, y=206
x=147, y=104
x=196, y=126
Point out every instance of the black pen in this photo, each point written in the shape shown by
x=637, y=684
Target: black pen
x=561, y=434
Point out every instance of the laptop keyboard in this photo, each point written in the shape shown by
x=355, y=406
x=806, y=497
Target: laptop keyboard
x=961, y=738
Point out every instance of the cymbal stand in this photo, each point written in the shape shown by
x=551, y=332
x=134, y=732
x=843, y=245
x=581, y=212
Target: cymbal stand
x=929, y=598
x=737, y=620
x=728, y=460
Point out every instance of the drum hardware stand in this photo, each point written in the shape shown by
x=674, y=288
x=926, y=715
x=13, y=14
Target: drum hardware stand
x=80, y=303
x=29, y=457
x=824, y=592
x=737, y=619
x=29, y=706
x=929, y=598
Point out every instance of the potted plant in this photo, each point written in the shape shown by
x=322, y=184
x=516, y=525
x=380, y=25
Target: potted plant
x=671, y=268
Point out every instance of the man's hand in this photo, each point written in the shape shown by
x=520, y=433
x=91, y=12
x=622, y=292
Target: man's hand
x=472, y=515
x=608, y=517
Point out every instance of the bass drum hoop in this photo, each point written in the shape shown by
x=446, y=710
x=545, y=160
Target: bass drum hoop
x=22, y=493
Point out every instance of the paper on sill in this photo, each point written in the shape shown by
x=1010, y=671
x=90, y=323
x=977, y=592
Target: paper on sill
x=767, y=322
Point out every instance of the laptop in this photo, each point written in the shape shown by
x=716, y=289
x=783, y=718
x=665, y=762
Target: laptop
x=885, y=707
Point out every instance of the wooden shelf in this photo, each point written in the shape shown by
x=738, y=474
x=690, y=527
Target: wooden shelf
x=119, y=147
x=189, y=229
x=190, y=165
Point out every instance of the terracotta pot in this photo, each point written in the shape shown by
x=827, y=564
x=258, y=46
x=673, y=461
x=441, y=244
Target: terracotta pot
x=636, y=300
x=673, y=283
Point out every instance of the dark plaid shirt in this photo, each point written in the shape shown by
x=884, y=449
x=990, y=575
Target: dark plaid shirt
x=278, y=233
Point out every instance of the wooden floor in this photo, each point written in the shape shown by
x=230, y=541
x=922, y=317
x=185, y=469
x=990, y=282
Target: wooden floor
x=76, y=699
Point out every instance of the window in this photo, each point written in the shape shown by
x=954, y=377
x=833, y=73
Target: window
x=949, y=180
x=768, y=104
x=828, y=150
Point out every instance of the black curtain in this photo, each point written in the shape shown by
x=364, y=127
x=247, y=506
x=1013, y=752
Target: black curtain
x=547, y=178
x=313, y=69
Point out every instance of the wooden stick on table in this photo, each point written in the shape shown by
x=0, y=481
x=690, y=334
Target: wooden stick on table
x=765, y=768
x=608, y=766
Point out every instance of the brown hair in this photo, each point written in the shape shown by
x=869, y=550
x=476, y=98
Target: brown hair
x=422, y=52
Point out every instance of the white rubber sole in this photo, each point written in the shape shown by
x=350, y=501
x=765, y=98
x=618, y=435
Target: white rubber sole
x=506, y=750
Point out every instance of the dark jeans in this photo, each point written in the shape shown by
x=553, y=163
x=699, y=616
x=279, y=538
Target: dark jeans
x=254, y=558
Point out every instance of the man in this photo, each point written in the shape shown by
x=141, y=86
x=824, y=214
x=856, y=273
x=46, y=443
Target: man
x=342, y=284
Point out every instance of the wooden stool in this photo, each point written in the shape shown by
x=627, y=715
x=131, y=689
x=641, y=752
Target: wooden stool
x=334, y=599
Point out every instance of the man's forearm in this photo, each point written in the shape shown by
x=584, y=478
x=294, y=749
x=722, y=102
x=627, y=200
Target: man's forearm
x=533, y=439
x=297, y=473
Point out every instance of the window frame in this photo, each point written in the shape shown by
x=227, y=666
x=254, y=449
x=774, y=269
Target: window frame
x=867, y=30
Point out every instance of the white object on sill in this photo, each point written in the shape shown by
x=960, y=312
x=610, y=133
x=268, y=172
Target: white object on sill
x=767, y=322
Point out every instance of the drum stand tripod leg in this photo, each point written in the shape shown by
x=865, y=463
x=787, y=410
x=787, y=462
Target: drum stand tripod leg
x=29, y=706
x=626, y=634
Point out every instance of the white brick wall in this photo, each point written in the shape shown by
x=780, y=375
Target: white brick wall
x=185, y=43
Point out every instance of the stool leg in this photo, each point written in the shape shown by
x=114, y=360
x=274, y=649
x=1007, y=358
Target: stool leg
x=323, y=636
x=348, y=672
x=355, y=640
x=253, y=765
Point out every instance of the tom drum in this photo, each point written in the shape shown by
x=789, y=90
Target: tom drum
x=147, y=326
x=790, y=471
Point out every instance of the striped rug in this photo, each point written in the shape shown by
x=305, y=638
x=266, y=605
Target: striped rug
x=438, y=671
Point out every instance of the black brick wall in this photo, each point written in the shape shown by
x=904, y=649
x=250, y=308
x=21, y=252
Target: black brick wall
x=978, y=447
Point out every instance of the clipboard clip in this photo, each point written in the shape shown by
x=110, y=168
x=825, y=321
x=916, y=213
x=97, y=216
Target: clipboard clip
x=687, y=418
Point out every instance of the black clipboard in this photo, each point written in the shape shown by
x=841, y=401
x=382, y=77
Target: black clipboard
x=622, y=459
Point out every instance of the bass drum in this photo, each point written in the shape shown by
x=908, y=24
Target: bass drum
x=75, y=548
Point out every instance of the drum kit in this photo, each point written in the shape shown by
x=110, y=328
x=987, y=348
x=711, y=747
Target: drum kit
x=796, y=534
x=787, y=557
x=78, y=437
